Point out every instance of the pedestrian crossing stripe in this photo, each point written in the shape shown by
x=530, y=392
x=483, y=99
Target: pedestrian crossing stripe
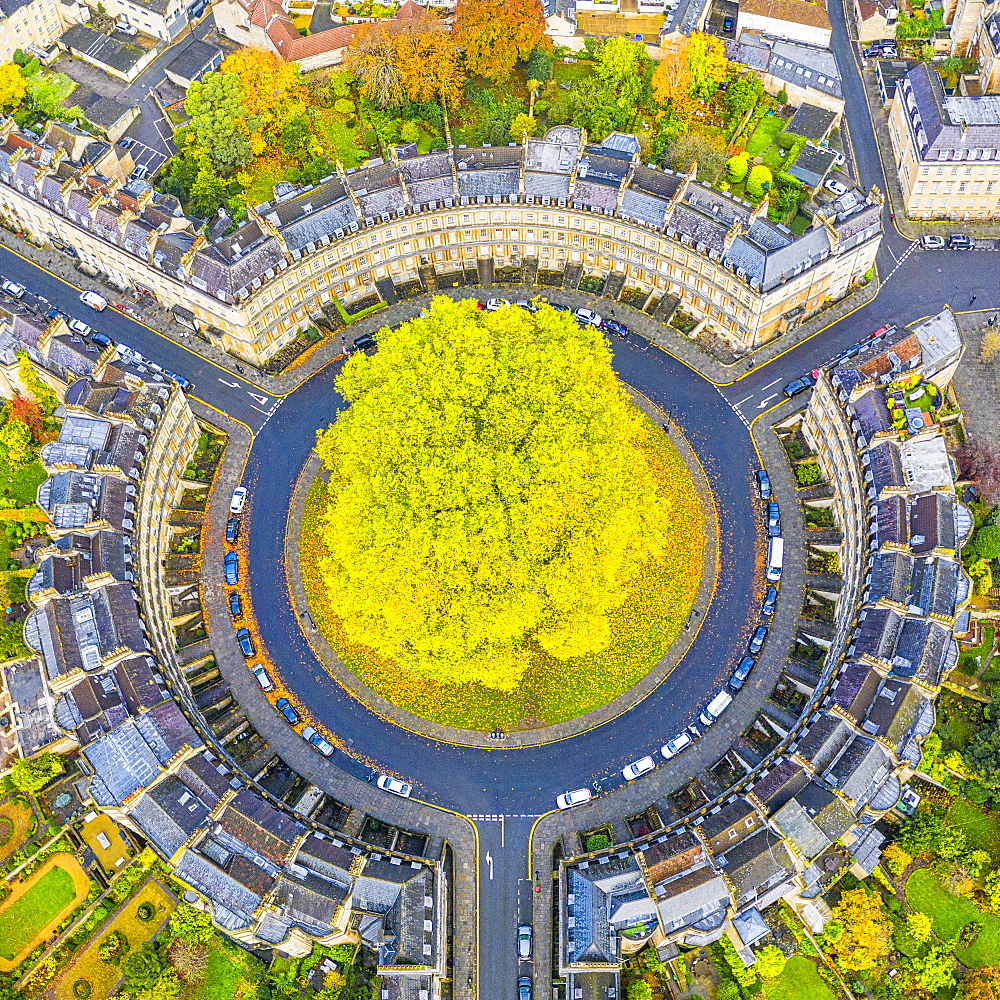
x=497, y=817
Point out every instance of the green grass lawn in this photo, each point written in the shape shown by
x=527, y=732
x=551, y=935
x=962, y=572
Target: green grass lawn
x=974, y=657
x=231, y=974
x=982, y=829
x=950, y=914
x=28, y=914
x=800, y=980
x=763, y=135
x=800, y=224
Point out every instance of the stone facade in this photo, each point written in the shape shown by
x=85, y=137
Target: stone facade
x=554, y=204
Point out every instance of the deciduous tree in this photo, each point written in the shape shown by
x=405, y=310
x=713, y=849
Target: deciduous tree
x=207, y=192
x=770, y=962
x=979, y=460
x=521, y=126
x=934, y=970
x=40, y=391
x=189, y=959
x=374, y=59
x=215, y=105
x=188, y=923
x=12, y=87
x=495, y=34
x=920, y=926
x=34, y=773
x=15, y=444
x=981, y=984
x=429, y=61
x=30, y=414
x=708, y=151
x=706, y=59
x=867, y=934
x=621, y=64
x=488, y=493
x=273, y=92
x=743, y=94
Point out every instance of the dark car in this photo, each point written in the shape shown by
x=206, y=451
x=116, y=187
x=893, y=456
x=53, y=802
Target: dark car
x=231, y=563
x=773, y=520
x=727, y=24
x=852, y=352
x=524, y=988
x=763, y=485
x=246, y=643
x=613, y=326
x=756, y=643
x=235, y=607
x=741, y=673
x=365, y=342
x=560, y=308
x=53, y=313
x=99, y=338
x=770, y=601
x=232, y=530
x=799, y=385
x=959, y=241
x=286, y=708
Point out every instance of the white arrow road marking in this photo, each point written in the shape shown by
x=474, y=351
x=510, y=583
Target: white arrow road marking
x=235, y=385
x=489, y=861
x=764, y=402
x=257, y=396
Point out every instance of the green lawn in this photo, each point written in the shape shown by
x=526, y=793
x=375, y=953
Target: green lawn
x=799, y=981
x=763, y=135
x=230, y=975
x=28, y=914
x=974, y=657
x=982, y=829
x=950, y=914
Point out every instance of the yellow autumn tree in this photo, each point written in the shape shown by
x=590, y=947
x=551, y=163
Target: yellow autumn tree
x=867, y=935
x=488, y=494
x=273, y=93
x=671, y=82
x=12, y=88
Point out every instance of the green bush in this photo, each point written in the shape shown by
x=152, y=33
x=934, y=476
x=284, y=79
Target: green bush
x=597, y=842
x=737, y=167
x=759, y=182
x=807, y=474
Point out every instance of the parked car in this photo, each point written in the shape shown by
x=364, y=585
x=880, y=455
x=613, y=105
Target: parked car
x=125, y=28
x=852, y=352
x=140, y=173
x=773, y=520
x=838, y=158
x=560, y=308
x=959, y=241
x=797, y=386
x=287, y=709
x=587, y=317
x=770, y=602
x=832, y=184
x=673, y=747
x=239, y=500
x=262, y=679
x=526, y=305
x=390, y=784
x=494, y=304
x=95, y=301
x=638, y=768
x=575, y=798
x=78, y=326
x=741, y=673
x=882, y=331
x=316, y=741
x=231, y=564
x=524, y=988
x=127, y=142
x=99, y=338
x=756, y=643
x=365, y=342
x=232, y=529
x=13, y=288
x=932, y=243
x=53, y=313
x=613, y=326
x=524, y=942
x=245, y=642
x=763, y=484
x=185, y=385
x=235, y=606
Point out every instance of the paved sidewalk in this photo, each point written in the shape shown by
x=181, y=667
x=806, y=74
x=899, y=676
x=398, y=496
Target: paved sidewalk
x=977, y=381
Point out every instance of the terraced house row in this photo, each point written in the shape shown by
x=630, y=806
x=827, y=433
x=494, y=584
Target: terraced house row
x=105, y=685
x=844, y=737
x=556, y=205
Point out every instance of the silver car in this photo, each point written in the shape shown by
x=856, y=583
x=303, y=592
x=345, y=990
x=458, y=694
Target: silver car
x=524, y=942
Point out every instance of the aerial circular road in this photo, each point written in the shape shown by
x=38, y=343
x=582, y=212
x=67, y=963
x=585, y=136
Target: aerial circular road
x=467, y=778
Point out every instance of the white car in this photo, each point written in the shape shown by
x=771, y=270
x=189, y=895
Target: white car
x=390, y=784
x=831, y=184
x=78, y=326
x=239, y=500
x=13, y=288
x=638, y=768
x=932, y=243
x=839, y=158
x=494, y=304
x=675, y=746
x=575, y=798
x=588, y=317
x=95, y=301
x=262, y=679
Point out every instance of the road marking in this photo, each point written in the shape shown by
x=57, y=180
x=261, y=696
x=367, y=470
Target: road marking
x=741, y=402
x=489, y=861
x=257, y=396
x=764, y=402
x=266, y=413
x=235, y=385
x=769, y=384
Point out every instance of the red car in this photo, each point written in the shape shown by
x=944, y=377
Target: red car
x=882, y=331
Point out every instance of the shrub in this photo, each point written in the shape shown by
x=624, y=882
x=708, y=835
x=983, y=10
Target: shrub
x=807, y=474
x=737, y=167
x=759, y=182
x=782, y=96
x=82, y=988
x=794, y=449
x=597, y=842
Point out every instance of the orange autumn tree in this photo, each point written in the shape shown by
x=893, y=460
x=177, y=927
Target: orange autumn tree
x=494, y=34
x=672, y=83
x=273, y=93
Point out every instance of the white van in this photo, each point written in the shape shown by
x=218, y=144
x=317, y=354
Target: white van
x=775, y=556
x=715, y=708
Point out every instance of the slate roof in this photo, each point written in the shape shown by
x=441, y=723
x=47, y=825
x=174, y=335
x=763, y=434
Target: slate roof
x=932, y=524
x=676, y=854
x=855, y=689
x=877, y=633
x=811, y=122
x=233, y=905
x=891, y=522
x=756, y=865
x=260, y=826
x=780, y=783
x=168, y=814
x=823, y=740
x=872, y=413
x=924, y=651
x=691, y=897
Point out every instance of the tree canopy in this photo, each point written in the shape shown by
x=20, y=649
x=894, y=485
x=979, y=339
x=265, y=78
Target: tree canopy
x=34, y=773
x=495, y=34
x=867, y=931
x=487, y=494
x=12, y=86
